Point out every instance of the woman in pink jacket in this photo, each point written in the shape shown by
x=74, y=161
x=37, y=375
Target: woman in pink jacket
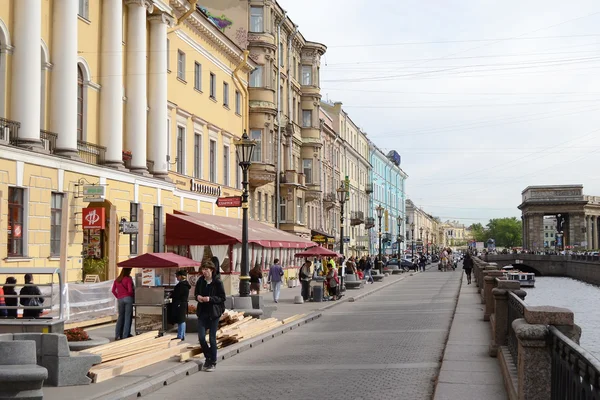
x=123, y=290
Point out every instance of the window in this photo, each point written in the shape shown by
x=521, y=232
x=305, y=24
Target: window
x=256, y=134
x=299, y=211
x=197, y=156
x=226, y=165
x=198, y=76
x=213, y=86
x=256, y=77
x=157, y=226
x=181, y=65
x=134, y=210
x=259, y=205
x=16, y=229
x=307, y=164
x=256, y=19
x=282, y=209
x=168, y=53
x=266, y=208
x=295, y=69
x=83, y=9
x=307, y=75
x=251, y=205
x=180, y=143
x=307, y=118
x=281, y=54
x=274, y=208
x=55, y=223
x=238, y=103
x=213, y=161
x=225, y=94
x=80, y=103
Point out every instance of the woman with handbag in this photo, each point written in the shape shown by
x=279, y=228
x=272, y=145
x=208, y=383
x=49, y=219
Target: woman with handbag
x=122, y=289
x=333, y=281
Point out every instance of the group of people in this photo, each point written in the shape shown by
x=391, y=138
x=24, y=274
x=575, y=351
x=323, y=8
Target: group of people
x=447, y=260
x=29, y=296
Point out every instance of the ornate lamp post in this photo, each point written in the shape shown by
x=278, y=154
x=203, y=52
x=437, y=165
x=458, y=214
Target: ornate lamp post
x=427, y=239
x=412, y=235
x=379, y=215
x=399, y=220
x=421, y=236
x=244, y=148
x=341, y=197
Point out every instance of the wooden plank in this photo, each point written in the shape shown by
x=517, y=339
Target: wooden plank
x=155, y=344
x=122, y=343
x=91, y=322
x=187, y=355
x=292, y=318
x=140, y=361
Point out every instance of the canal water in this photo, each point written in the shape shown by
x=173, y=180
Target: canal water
x=581, y=298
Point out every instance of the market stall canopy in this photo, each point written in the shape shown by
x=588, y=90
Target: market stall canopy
x=195, y=229
x=159, y=260
x=317, y=251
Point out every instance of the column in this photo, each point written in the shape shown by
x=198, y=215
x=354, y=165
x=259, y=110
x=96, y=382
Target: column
x=157, y=94
x=26, y=71
x=137, y=102
x=63, y=96
x=588, y=231
x=595, y=223
x=111, y=79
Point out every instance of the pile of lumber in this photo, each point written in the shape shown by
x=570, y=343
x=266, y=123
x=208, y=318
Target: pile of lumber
x=235, y=328
x=133, y=353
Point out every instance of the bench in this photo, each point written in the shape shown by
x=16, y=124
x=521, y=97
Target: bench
x=352, y=282
x=51, y=351
x=20, y=376
x=377, y=277
x=392, y=269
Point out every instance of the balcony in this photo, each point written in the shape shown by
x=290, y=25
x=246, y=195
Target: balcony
x=9, y=131
x=329, y=200
x=357, y=218
x=313, y=192
x=369, y=223
x=260, y=174
x=293, y=178
x=48, y=140
x=91, y=153
x=386, y=238
x=369, y=188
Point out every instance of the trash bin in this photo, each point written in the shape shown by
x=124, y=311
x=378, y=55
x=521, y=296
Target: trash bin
x=318, y=293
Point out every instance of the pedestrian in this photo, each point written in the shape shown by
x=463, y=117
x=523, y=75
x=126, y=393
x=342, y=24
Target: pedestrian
x=123, y=290
x=179, y=305
x=422, y=262
x=9, y=290
x=210, y=295
x=368, y=270
x=333, y=281
x=305, y=278
x=468, y=267
x=31, y=291
x=255, y=279
x=274, y=278
x=3, y=310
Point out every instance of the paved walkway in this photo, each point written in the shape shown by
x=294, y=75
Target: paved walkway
x=385, y=346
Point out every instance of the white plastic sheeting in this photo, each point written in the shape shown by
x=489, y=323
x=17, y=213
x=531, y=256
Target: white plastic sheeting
x=83, y=301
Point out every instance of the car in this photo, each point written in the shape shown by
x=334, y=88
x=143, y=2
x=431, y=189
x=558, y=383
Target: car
x=407, y=265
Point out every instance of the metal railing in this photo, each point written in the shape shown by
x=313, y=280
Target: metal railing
x=386, y=237
x=357, y=217
x=369, y=222
x=516, y=310
x=48, y=140
x=9, y=131
x=91, y=153
x=369, y=188
x=575, y=372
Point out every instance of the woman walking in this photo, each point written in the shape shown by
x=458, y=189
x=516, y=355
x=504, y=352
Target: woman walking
x=122, y=289
x=468, y=267
x=255, y=279
x=179, y=306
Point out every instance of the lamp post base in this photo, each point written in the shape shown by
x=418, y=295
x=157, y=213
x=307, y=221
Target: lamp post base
x=245, y=287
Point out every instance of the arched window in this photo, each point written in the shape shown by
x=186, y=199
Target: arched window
x=80, y=102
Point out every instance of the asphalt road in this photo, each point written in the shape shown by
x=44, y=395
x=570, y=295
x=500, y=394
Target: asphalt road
x=385, y=346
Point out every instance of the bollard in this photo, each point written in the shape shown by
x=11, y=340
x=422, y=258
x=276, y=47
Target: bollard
x=499, y=319
x=489, y=284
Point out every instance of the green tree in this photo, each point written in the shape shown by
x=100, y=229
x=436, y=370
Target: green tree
x=506, y=231
x=479, y=232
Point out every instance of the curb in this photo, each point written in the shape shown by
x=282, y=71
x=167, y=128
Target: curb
x=162, y=379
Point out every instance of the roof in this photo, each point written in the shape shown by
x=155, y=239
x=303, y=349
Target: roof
x=159, y=260
x=190, y=228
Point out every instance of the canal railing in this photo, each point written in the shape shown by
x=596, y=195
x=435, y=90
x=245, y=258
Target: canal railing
x=537, y=346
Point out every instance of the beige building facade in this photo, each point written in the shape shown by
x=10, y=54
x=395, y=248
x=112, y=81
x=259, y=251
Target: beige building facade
x=422, y=229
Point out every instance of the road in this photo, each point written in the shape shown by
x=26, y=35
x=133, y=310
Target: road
x=385, y=346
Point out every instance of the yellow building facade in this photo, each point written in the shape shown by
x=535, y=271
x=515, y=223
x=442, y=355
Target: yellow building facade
x=134, y=111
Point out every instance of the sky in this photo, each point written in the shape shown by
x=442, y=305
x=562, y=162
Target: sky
x=481, y=98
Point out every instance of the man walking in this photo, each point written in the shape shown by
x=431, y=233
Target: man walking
x=368, y=268
x=468, y=267
x=305, y=278
x=275, y=275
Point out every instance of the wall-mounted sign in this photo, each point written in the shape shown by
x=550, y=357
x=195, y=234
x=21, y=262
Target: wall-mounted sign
x=129, y=227
x=93, y=218
x=319, y=239
x=233, y=201
x=92, y=193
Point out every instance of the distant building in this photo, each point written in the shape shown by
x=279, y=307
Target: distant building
x=549, y=232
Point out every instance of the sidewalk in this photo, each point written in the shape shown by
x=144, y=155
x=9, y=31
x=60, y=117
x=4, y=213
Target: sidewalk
x=468, y=372
x=144, y=378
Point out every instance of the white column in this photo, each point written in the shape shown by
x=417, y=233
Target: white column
x=137, y=102
x=157, y=94
x=111, y=72
x=63, y=96
x=26, y=71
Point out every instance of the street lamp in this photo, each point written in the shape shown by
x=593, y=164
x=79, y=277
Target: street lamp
x=427, y=239
x=421, y=236
x=379, y=215
x=399, y=220
x=341, y=196
x=244, y=148
x=412, y=235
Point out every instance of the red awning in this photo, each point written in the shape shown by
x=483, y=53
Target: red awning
x=317, y=251
x=159, y=260
x=189, y=228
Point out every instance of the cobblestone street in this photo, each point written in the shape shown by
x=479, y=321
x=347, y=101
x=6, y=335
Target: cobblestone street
x=385, y=346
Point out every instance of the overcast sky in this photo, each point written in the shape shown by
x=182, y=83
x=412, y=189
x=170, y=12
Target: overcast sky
x=481, y=98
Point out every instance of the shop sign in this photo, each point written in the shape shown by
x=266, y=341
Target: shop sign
x=331, y=240
x=93, y=218
x=93, y=193
x=130, y=227
x=233, y=201
x=319, y=239
x=203, y=188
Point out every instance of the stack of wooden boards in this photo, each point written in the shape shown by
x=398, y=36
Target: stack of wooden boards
x=140, y=351
x=234, y=328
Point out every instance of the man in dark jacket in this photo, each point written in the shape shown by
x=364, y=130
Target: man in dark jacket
x=468, y=267
x=179, y=304
x=28, y=298
x=210, y=295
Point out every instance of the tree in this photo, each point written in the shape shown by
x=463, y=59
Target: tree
x=506, y=231
x=479, y=232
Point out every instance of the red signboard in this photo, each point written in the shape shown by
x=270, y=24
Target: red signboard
x=93, y=218
x=234, y=201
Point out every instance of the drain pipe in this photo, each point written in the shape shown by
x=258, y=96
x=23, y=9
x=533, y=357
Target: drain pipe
x=290, y=105
x=278, y=174
x=322, y=174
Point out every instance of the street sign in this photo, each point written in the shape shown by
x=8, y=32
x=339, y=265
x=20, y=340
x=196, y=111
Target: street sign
x=130, y=227
x=233, y=201
x=94, y=193
x=346, y=239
